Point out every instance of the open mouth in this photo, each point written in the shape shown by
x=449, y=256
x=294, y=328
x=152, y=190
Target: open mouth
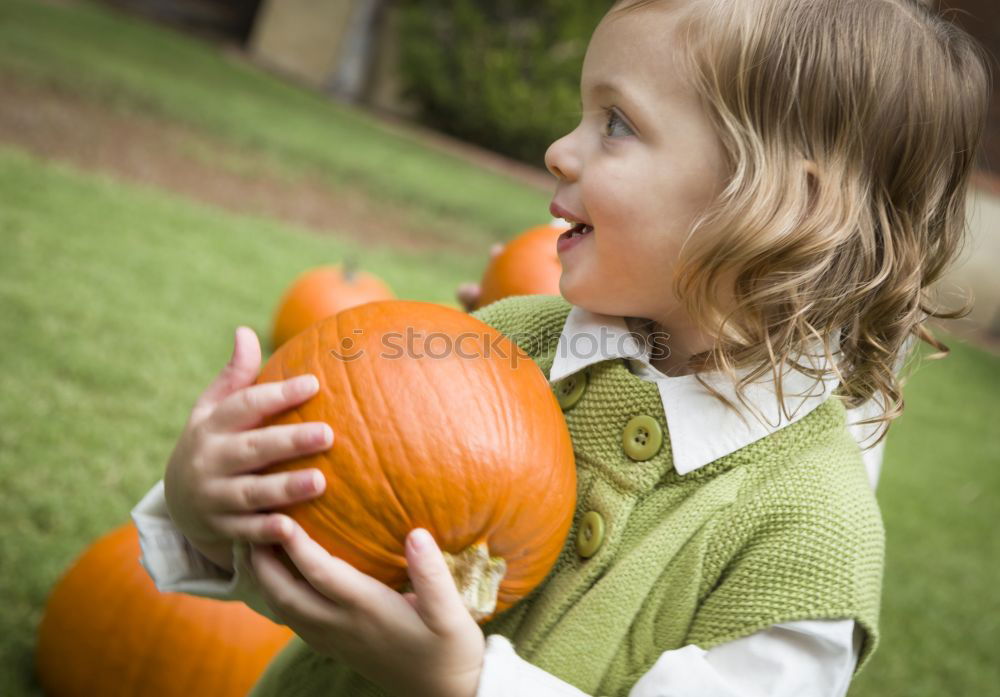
x=578, y=230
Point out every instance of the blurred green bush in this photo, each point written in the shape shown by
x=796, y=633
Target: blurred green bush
x=504, y=74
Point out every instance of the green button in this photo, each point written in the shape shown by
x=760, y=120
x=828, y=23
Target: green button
x=570, y=389
x=590, y=535
x=642, y=437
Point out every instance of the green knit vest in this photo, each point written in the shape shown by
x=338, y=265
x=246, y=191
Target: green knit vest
x=786, y=528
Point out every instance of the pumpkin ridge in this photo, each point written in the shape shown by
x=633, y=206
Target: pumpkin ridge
x=430, y=516
x=389, y=485
x=491, y=384
x=401, y=512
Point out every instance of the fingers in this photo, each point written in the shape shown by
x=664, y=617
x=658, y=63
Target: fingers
x=293, y=597
x=263, y=529
x=249, y=406
x=252, y=493
x=335, y=578
x=437, y=599
x=467, y=295
x=240, y=371
x=246, y=451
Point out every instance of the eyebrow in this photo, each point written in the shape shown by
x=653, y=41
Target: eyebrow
x=604, y=86
x=608, y=87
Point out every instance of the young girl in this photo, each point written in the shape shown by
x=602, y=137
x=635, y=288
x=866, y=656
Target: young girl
x=763, y=193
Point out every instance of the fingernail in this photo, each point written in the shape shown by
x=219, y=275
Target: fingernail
x=303, y=482
x=236, y=342
x=305, y=384
x=284, y=527
x=311, y=481
x=323, y=434
x=421, y=540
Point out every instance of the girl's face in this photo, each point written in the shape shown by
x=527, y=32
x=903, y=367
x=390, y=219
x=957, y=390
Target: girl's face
x=641, y=165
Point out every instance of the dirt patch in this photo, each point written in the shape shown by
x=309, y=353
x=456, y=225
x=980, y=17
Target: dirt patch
x=54, y=123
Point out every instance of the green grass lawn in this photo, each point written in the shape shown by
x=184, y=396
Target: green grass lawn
x=118, y=304
x=133, y=66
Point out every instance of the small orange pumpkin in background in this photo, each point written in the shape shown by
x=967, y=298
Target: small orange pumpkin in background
x=440, y=422
x=108, y=631
x=528, y=265
x=322, y=292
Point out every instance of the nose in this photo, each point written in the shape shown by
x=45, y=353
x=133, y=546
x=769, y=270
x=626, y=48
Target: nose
x=562, y=160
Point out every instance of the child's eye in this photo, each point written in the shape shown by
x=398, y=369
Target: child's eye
x=612, y=118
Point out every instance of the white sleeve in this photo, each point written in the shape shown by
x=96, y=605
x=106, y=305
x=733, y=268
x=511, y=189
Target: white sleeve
x=505, y=674
x=809, y=658
x=177, y=567
x=806, y=658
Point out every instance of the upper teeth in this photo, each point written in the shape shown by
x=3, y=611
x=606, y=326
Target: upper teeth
x=574, y=222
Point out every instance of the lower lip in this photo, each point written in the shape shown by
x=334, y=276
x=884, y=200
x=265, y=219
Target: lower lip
x=564, y=243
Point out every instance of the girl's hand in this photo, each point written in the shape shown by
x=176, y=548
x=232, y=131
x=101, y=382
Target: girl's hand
x=423, y=644
x=467, y=294
x=212, y=495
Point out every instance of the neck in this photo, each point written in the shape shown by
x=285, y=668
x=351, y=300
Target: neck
x=671, y=343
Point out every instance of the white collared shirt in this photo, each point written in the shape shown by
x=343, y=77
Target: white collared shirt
x=814, y=658
x=701, y=428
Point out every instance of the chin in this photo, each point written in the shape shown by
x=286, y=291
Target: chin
x=571, y=291
x=587, y=297
x=597, y=299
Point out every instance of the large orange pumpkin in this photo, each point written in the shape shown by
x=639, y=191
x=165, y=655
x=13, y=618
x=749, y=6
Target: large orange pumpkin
x=322, y=292
x=108, y=631
x=440, y=422
x=528, y=265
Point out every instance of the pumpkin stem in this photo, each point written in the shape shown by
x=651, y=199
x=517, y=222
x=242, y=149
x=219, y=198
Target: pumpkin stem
x=477, y=576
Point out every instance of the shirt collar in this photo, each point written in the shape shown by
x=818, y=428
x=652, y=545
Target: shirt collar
x=701, y=428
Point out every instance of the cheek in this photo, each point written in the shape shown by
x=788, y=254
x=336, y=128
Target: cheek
x=627, y=192
x=608, y=192
x=648, y=258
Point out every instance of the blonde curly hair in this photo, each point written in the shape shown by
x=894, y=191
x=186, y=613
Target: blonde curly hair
x=851, y=128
